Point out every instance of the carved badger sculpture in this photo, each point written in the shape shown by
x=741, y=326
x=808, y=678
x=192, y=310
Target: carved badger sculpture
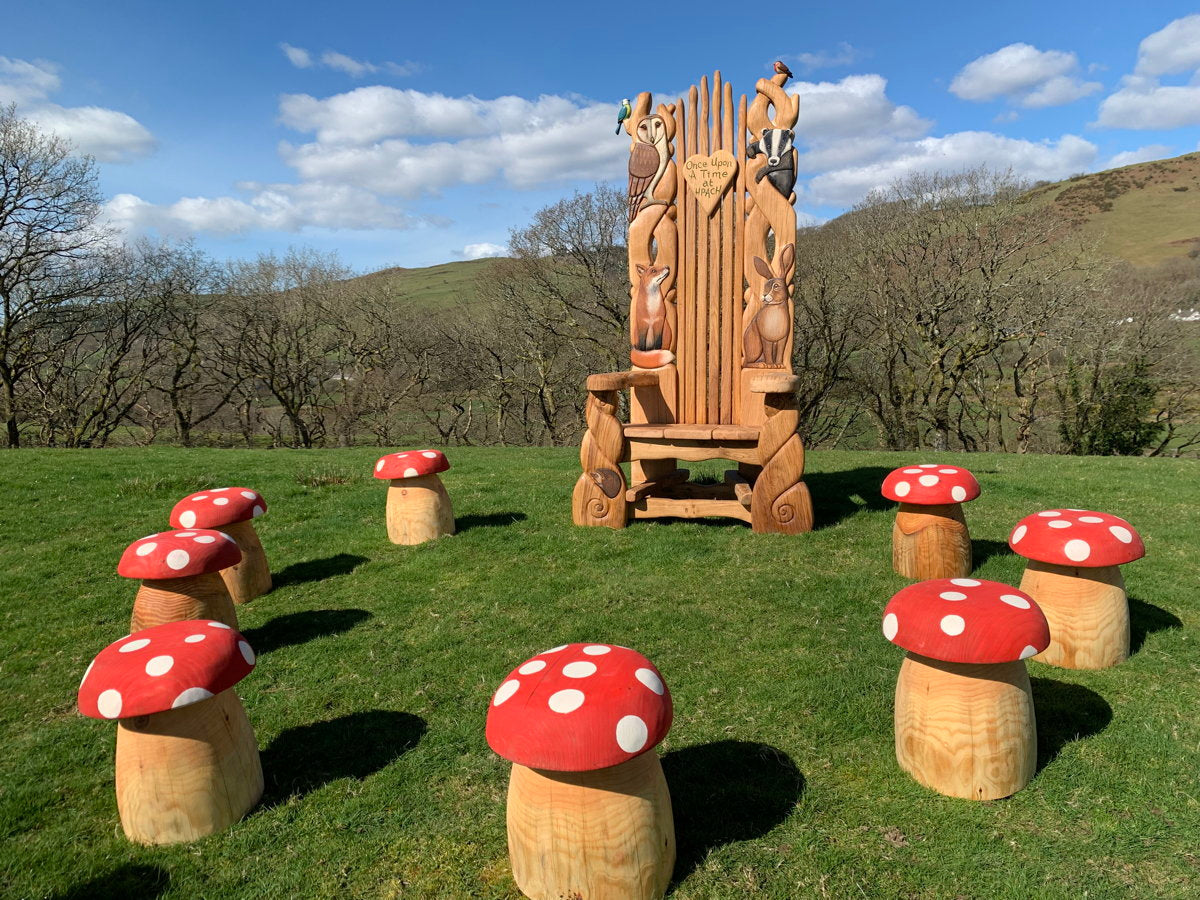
x=777, y=145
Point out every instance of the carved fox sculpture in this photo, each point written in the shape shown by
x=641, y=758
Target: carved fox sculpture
x=651, y=327
x=766, y=336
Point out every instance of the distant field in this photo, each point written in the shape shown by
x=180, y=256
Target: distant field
x=435, y=287
x=376, y=665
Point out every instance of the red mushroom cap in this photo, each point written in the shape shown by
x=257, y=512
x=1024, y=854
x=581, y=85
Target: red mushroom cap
x=177, y=554
x=965, y=620
x=1076, y=537
x=930, y=484
x=411, y=463
x=216, y=507
x=164, y=667
x=579, y=707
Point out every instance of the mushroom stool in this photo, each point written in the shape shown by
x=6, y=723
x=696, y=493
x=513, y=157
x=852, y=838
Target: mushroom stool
x=930, y=537
x=180, y=577
x=231, y=510
x=418, y=507
x=589, y=814
x=964, y=711
x=1073, y=573
x=187, y=761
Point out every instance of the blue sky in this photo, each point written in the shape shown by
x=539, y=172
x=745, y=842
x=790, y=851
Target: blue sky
x=416, y=133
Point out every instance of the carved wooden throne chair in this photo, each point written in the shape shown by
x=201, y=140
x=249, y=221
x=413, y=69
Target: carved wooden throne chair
x=710, y=320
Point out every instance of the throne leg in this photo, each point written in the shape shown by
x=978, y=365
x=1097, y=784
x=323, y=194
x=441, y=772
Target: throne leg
x=781, y=503
x=599, y=497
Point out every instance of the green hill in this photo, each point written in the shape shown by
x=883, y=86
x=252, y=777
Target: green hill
x=436, y=287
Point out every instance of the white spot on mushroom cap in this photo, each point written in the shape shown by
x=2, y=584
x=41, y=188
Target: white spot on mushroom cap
x=632, y=734
x=650, y=679
x=218, y=490
x=1122, y=534
x=250, y=495
x=146, y=549
x=86, y=673
x=133, y=645
x=160, y=665
x=948, y=471
x=178, y=559
x=219, y=625
x=220, y=501
x=429, y=454
x=952, y=595
x=257, y=511
x=200, y=497
x=534, y=665
x=965, y=582
x=1091, y=520
x=1059, y=523
x=553, y=649
x=1019, y=533
x=566, y=701
x=1049, y=513
x=191, y=695
x=185, y=534
x=912, y=471
x=247, y=653
x=379, y=465
x=1028, y=652
x=109, y=703
x=902, y=488
x=1077, y=550
x=204, y=539
x=410, y=472
x=187, y=518
x=890, y=626
x=928, y=480
x=581, y=669
x=194, y=638
x=928, y=465
x=596, y=649
x=505, y=691
x=958, y=493
x=953, y=625
x=1015, y=600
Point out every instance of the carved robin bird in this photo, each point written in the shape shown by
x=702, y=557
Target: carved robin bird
x=782, y=69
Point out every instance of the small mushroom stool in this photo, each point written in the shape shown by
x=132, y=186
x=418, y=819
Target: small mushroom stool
x=187, y=762
x=231, y=510
x=418, y=507
x=964, y=710
x=589, y=814
x=180, y=573
x=1074, y=574
x=930, y=537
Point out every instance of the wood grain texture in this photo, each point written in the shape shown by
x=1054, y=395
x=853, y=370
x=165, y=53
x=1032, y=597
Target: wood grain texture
x=619, y=381
x=1087, y=610
x=602, y=835
x=252, y=576
x=966, y=730
x=159, y=601
x=188, y=772
x=604, y=447
x=931, y=542
x=418, y=510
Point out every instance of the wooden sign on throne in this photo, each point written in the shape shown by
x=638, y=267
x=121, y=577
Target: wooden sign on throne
x=712, y=229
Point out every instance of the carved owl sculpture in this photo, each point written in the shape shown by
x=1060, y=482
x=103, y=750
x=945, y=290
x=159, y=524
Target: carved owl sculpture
x=647, y=162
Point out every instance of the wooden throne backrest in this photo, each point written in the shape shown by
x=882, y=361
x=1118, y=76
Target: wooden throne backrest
x=708, y=189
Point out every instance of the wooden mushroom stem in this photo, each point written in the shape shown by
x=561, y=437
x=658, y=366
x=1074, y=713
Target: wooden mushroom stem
x=931, y=542
x=252, y=576
x=418, y=510
x=966, y=729
x=602, y=834
x=1087, y=611
x=188, y=772
x=162, y=600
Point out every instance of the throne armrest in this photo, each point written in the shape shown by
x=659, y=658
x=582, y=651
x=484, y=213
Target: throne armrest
x=618, y=381
x=774, y=383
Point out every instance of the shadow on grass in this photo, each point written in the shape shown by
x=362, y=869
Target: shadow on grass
x=724, y=792
x=983, y=549
x=121, y=883
x=1066, y=712
x=1145, y=619
x=491, y=520
x=301, y=627
x=317, y=569
x=834, y=493
x=304, y=758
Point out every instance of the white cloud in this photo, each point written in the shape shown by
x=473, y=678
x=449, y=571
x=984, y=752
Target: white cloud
x=856, y=106
x=1143, y=101
x=356, y=68
x=844, y=55
x=106, y=134
x=1173, y=49
x=1141, y=154
x=482, y=251
x=1025, y=75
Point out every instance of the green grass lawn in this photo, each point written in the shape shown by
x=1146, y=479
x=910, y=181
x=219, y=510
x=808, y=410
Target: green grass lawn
x=376, y=665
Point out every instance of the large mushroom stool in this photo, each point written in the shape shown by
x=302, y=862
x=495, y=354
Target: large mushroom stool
x=231, y=510
x=187, y=762
x=964, y=711
x=930, y=538
x=180, y=573
x=418, y=507
x=589, y=814
x=1073, y=573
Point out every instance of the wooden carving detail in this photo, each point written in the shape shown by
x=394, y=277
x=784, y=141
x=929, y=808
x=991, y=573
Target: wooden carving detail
x=768, y=331
x=777, y=145
x=603, y=449
x=781, y=502
x=709, y=177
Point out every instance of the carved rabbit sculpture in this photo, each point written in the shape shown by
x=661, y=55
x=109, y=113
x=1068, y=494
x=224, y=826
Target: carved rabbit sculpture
x=766, y=336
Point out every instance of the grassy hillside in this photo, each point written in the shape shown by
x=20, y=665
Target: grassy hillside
x=377, y=662
x=1144, y=213
x=436, y=287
